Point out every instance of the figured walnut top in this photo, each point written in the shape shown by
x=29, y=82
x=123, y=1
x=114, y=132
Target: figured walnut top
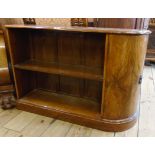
x=82, y=29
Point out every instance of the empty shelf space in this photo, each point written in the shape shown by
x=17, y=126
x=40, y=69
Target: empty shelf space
x=63, y=103
x=78, y=71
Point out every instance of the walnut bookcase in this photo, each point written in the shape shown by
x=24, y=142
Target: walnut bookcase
x=88, y=76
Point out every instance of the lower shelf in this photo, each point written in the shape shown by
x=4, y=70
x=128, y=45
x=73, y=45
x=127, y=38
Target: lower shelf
x=71, y=109
x=68, y=104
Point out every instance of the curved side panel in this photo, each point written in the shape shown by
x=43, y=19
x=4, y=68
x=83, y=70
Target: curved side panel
x=124, y=60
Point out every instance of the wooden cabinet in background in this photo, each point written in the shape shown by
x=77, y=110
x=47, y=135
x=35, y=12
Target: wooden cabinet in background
x=5, y=81
x=128, y=23
x=6, y=87
x=150, y=57
x=88, y=76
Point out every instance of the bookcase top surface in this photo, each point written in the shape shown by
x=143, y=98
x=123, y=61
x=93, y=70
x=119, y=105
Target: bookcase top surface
x=82, y=29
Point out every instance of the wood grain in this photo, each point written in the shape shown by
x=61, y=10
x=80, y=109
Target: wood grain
x=23, y=119
x=57, y=129
x=38, y=125
x=145, y=128
x=124, y=59
x=3, y=60
x=3, y=131
x=78, y=131
x=6, y=116
x=62, y=69
x=11, y=133
x=68, y=104
x=130, y=23
x=4, y=71
x=58, y=72
x=81, y=29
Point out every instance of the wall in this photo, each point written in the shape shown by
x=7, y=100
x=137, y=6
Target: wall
x=39, y=21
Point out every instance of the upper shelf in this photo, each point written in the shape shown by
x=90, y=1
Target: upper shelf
x=82, y=29
x=62, y=69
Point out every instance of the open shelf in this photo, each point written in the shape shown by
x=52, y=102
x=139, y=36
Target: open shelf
x=78, y=71
x=58, y=74
x=59, y=102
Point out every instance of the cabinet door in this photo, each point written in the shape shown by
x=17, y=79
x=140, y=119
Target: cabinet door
x=124, y=60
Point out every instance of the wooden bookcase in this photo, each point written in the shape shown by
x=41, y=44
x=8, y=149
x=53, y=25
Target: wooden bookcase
x=87, y=76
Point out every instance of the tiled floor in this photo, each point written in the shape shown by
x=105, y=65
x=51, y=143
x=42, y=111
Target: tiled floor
x=19, y=123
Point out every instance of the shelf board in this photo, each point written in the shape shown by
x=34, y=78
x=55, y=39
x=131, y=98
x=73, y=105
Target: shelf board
x=62, y=103
x=62, y=69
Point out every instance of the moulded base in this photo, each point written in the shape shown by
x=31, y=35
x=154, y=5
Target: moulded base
x=97, y=123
